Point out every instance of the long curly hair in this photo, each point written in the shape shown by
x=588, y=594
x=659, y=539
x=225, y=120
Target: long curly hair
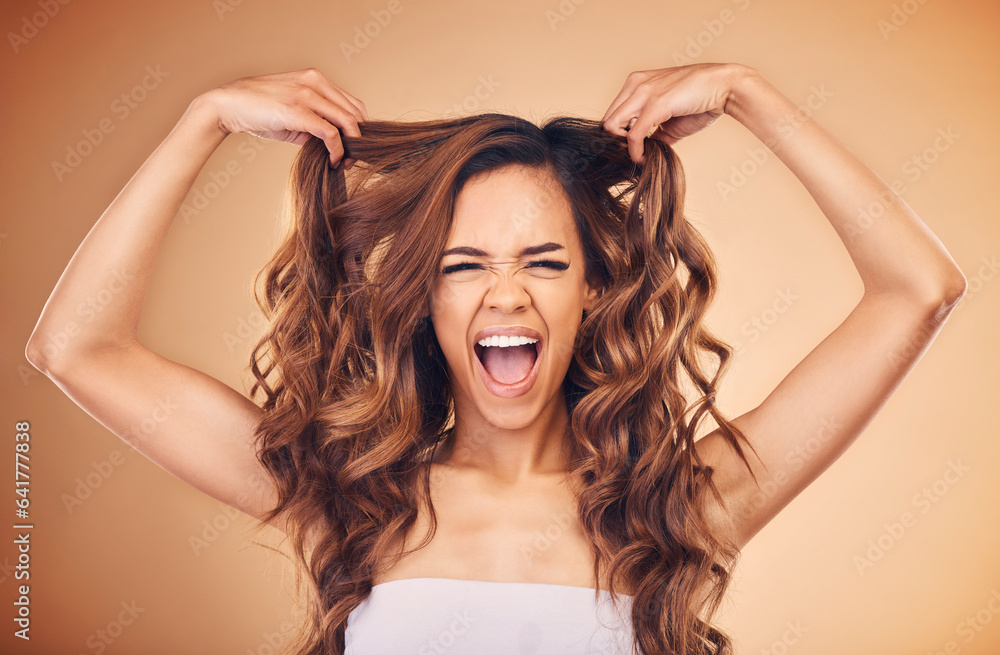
x=356, y=392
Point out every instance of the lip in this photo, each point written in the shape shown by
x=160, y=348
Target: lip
x=518, y=388
x=508, y=331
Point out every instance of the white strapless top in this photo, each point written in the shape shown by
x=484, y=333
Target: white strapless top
x=426, y=616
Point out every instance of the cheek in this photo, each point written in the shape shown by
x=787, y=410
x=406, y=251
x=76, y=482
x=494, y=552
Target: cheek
x=452, y=296
x=451, y=313
x=562, y=315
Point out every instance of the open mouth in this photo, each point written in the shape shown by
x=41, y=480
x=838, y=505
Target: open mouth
x=508, y=364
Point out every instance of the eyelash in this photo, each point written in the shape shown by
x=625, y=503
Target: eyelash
x=466, y=266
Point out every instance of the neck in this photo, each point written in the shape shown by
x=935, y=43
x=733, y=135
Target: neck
x=540, y=448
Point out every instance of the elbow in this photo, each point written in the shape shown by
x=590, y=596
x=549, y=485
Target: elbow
x=934, y=299
x=45, y=353
x=940, y=299
x=955, y=288
x=949, y=290
x=946, y=287
x=35, y=353
x=61, y=354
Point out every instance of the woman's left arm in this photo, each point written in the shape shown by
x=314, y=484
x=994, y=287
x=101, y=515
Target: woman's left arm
x=911, y=284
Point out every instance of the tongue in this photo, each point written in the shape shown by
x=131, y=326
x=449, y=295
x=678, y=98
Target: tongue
x=509, y=365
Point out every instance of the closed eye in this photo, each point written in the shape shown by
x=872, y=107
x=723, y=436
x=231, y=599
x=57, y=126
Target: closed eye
x=549, y=263
x=541, y=263
x=465, y=266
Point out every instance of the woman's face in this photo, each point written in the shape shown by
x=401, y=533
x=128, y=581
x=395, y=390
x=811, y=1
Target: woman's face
x=509, y=295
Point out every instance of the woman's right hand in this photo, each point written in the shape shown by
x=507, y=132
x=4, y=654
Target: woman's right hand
x=289, y=107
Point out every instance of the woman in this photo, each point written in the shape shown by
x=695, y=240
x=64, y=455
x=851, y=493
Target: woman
x=475, y=424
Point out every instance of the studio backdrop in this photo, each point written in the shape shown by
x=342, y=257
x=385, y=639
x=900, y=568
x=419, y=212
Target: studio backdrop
x=892, y=551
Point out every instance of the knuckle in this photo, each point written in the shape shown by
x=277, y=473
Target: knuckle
x=300, y=115
x=302, y=94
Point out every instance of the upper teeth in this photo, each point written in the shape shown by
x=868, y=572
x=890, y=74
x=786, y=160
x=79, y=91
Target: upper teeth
x=505, y=341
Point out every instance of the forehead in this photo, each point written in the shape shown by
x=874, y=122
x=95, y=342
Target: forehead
x=504, y=210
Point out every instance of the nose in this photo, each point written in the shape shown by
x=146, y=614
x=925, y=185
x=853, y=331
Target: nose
x=506, y=295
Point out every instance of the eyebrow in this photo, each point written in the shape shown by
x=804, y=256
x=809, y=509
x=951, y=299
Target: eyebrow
x=526, y=252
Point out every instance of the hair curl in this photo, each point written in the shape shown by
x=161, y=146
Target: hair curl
x=356, y=391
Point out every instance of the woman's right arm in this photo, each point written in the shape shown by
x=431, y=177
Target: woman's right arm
x=190, y=424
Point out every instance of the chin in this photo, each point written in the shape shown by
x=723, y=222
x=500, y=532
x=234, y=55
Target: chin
x=520, y=412
x=507, y=417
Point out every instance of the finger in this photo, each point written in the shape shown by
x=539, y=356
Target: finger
x=643, y=127
x=612, y=117
x=635, y=139
x=336, y=148
x=620, y=120
x=343, y=98
x=338, y=117
x=615, y=105
x=323, y=86
x=357, y=103
x=619, y=125
x=342, y=122
x=313, y=124
x=631, y=82
x=335, y=113
x=333, y=117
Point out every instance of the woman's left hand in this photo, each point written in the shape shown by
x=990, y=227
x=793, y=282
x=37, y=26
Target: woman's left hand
x=669, y=104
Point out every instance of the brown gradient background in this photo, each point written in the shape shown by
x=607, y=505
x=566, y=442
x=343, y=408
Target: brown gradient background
x=130, y=540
